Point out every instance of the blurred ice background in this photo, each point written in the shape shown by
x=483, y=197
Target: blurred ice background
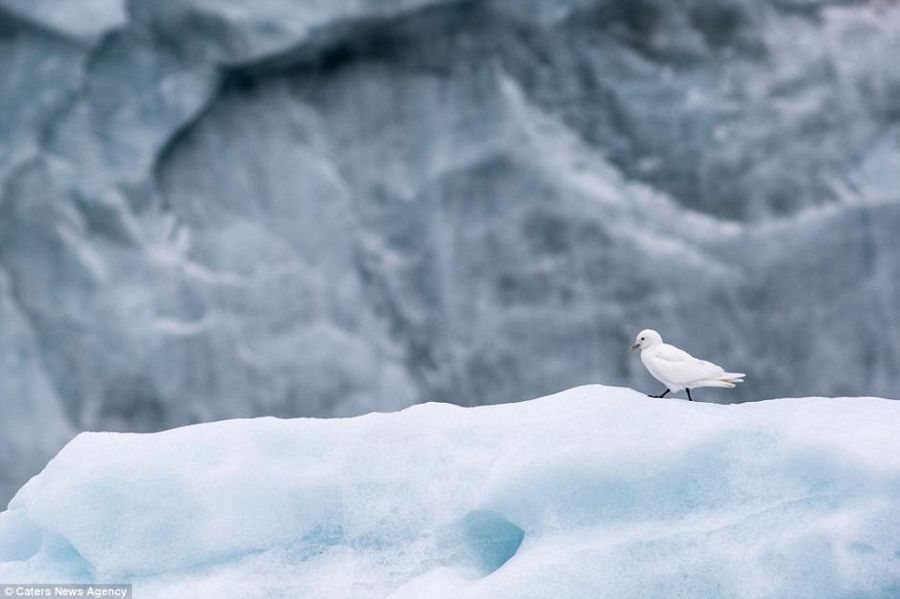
x=219, y=208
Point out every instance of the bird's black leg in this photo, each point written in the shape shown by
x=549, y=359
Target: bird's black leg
x=689, y=395
x=663, y=394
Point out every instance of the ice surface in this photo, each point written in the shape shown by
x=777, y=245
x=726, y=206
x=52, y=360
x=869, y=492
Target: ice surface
x=222, y=208
x=594, y=492
x=86, y=19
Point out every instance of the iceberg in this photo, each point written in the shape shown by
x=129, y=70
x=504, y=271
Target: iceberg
x=593, y=492
x=213, y=209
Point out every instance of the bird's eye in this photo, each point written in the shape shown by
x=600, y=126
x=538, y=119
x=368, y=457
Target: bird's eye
x=642, y=338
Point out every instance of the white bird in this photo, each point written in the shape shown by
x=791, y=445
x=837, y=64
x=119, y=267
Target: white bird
x=677, y=369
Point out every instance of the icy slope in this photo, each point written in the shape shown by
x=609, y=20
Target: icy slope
x=593, y=492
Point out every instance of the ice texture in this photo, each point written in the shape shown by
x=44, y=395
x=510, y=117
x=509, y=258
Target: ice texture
x=214, y=209
x=590, y=493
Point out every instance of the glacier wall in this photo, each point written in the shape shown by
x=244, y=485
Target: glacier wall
x=325, y=208
x=593, y=493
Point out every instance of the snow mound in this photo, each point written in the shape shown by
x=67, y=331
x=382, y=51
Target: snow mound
x=593, y=492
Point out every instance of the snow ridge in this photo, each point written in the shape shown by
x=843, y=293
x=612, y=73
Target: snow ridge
x=592, y=492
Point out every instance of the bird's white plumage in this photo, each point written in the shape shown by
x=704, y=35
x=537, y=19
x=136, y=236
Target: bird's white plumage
x=677, y=369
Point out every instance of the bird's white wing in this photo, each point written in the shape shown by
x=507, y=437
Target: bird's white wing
x=678, y=366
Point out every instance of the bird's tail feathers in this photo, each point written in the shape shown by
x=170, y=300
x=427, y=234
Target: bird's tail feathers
x=732, y=377
x=725, y=384
x=726, y=380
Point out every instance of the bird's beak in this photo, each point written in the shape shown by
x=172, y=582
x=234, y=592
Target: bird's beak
x=634, y=346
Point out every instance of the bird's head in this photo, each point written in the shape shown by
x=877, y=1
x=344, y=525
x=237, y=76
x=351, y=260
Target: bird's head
x=646, y=338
